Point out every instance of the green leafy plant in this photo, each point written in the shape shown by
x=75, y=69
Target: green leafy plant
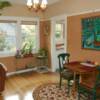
x=4, y=4
x=42, y=52
x=27, y=48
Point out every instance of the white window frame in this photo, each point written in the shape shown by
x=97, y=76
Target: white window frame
x=18, y=33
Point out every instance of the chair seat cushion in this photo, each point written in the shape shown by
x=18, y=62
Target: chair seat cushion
x=67, y=74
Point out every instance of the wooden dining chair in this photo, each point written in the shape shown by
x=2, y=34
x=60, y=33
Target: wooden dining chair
x=64, y=72
x=90, y=90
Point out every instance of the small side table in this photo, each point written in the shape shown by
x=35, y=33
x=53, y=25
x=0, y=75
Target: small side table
x=42, y=60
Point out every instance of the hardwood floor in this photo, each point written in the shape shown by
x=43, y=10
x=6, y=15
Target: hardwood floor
x=20, y=87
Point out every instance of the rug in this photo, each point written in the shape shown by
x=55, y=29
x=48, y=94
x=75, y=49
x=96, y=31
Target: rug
x=50, y=91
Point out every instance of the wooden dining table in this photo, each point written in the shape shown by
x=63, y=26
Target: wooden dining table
x=78, y=68
x=81, y=69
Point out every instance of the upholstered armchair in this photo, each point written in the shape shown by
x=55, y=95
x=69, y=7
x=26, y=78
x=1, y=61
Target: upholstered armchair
x=2, y=77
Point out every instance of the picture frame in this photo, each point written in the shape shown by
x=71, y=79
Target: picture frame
x=91, y=33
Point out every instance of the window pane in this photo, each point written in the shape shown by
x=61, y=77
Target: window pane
x=59, y=32
x=7, y=37
x=29, y=36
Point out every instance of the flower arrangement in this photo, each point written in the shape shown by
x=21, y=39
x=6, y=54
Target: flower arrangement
x=26, y=51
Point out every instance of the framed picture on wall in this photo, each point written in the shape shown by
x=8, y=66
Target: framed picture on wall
x=91, y=33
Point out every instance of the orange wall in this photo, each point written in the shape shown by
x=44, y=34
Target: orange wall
x=71, y=6
x=45, y=27
x=74, y=39
x=42, y=35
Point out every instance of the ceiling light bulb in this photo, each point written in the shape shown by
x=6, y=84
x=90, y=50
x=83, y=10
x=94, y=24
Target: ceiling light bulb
x=29, y=3
x=44, y=4
x=37, y=5
x=36, y=1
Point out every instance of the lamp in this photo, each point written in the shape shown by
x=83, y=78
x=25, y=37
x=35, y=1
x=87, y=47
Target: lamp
x=37, y=5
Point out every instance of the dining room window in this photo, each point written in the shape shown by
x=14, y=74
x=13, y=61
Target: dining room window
x=29, y=35
x=7, y=37
x=16, y=33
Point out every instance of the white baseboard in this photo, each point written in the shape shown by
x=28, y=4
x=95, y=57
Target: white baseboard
x=24, y=70
x=21, y=71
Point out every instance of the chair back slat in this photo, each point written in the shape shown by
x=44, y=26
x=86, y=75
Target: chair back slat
x=97, y=83
x=63, y=58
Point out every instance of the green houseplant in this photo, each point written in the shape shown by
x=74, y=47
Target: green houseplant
x=27, y=50
x=42, y=52
x=4, y=4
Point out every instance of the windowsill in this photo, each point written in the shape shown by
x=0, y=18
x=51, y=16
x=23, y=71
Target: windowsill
x=6, y=55
x=25, y=56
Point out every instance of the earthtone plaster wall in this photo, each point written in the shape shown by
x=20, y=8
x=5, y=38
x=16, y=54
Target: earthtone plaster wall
x=71, y=6
x=74, y=39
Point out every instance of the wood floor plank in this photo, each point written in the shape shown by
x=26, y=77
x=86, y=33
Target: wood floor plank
x=20, y=87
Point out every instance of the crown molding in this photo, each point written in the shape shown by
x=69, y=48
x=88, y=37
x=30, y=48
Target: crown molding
x=18, y=18
x=72, y=14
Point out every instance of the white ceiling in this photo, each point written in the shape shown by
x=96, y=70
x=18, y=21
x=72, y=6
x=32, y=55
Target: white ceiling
x=24, y=1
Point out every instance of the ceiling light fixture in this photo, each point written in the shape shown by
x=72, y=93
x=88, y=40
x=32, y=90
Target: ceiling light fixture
x=37, y=5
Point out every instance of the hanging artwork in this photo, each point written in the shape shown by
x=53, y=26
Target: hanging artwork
x=91, y=33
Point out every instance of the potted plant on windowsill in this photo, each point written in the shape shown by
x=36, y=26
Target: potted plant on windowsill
x=26, y=51
x=42, y=52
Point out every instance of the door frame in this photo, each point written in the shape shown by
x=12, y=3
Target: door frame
x=53, y=48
